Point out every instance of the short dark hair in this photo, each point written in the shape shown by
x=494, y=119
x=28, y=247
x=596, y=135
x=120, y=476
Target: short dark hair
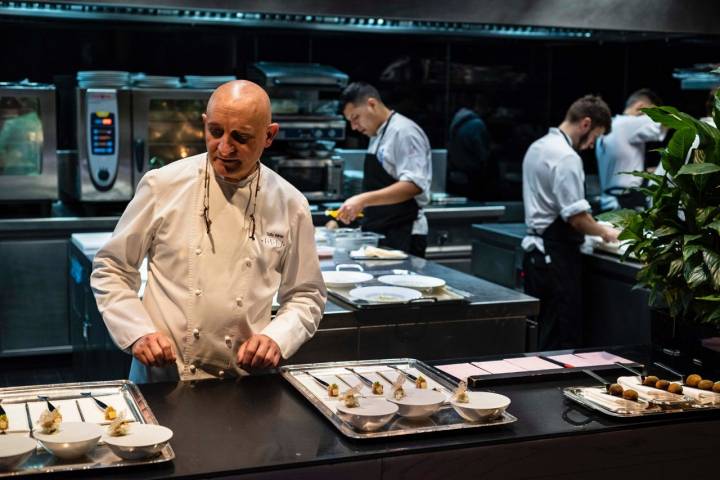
x=643, y=94
x=358, y=92
x=590, y=106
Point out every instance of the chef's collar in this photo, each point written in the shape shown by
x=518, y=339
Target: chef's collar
x=237, y=183
x=384, y=125
x=565, y=136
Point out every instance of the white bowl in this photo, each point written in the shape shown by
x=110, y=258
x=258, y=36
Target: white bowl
x=15, y=449
x=371, y=415
x=418, y=402
x=482, y=405
x=72, y=440
x=143, y=441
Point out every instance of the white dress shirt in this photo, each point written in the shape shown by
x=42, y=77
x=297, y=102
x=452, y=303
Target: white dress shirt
x=553, y=185
x=405, y=154
x=209, y=293
x=623, y=150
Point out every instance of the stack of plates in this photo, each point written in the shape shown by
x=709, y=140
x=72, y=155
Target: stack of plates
x=103, y=78
x=156, y=81
x=199, y=81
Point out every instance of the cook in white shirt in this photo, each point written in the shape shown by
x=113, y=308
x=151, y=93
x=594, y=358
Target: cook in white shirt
x=557, y=217
x=623, y=150
x=222, y=234
x=397, y=171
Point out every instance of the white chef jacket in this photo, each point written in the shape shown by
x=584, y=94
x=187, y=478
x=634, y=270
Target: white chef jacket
x=405, y=155
x=209, y=293
x=623, y=150
x=553, y=185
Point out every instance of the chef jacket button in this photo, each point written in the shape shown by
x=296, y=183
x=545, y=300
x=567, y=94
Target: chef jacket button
x=198, y=251
x=221, y=373
x=198, y=292
x=196, y=333
x=248, y=264
x=193, y=368
x=228, y=341
x=239, y=302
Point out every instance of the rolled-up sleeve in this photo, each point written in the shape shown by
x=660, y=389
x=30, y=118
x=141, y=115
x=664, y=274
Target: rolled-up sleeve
x=648, y=131
x=412, y=159
x=115, y=279
x=302, y=294
x=568, y=188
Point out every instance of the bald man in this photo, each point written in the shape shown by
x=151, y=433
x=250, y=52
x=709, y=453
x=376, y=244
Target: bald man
x=222, y=233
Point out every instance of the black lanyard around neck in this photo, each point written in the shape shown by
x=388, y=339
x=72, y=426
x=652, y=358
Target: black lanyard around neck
x=382, y=135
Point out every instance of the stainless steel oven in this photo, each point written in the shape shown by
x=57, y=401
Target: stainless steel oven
x=318, y=179
x=167, y=126
x=28, y=161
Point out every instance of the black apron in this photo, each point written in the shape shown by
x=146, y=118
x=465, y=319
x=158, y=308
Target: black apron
x=555, y=278
x=393, y=221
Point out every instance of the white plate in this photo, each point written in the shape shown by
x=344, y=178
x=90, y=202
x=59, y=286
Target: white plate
x=412, y=281
x=344, y=278
x=15, y=450
x=143, y=440
x=385, y=294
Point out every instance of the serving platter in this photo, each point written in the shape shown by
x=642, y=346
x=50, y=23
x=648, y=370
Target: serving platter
x=304, y=378
x=74, y=400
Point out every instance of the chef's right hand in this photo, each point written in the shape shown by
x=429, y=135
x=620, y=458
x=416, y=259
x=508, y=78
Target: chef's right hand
x=610, y=235
x=154, y=350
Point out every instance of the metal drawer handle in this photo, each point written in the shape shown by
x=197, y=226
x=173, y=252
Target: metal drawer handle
x=350, y=266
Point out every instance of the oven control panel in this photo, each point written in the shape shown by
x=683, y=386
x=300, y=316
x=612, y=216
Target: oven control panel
x=102, y=133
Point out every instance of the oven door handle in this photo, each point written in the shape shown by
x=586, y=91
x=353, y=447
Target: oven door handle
x=139, y=154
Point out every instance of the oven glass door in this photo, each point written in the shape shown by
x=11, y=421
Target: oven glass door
x=306, y=179
x=174, y=129
x=21, y=136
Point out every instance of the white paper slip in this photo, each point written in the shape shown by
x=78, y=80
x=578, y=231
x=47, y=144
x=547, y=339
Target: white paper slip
x=17, y=417
x=68, y=410
x=92, y=413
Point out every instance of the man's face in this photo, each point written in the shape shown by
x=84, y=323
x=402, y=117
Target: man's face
x=235, y=138
x=587, y=141
x=363, y=117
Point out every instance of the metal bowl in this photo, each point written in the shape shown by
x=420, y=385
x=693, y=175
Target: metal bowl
x=482, y=406
x=72, y=440
x=143, y=441
x=371, y=415
x=418, y=402
x=15, y=449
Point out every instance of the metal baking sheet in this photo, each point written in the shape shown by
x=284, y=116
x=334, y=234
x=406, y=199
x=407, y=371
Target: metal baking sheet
x=576, y=394
x=443, y=420
x=430, y=296
x=67, y=394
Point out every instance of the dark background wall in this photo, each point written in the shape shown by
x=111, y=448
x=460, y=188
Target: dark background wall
x=521, y=86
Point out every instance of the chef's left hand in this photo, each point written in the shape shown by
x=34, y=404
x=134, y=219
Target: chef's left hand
x=351, y=208
x=258, y=351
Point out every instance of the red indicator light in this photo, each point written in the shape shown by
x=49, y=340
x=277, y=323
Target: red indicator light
x=107, y=121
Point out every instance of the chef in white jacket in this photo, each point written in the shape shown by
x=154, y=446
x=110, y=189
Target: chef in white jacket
x=222, y=234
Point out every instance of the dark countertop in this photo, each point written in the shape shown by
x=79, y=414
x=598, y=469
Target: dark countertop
x=488, y=299
x=261, y=423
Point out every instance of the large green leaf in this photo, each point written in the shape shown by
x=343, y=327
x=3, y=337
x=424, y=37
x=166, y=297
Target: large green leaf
x=667, y=116
x=651, y=177
x=681, y=142
x=709, y=298
x=690, y=238
x=714, y=225
x=712, y=262
x=696, y=277
x=666, y=230
x=675, y=267
x=716, y=108
x=698, y=169
x=690, y=250
x=619, y=218
x=703, y=214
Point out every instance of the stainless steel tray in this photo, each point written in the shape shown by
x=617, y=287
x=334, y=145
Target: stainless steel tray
x=101, y=457
x=576, y=394
x=443, y=420
x=430, y=296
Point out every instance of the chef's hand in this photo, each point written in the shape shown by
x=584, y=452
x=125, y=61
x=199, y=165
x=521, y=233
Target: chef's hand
x=610, y=235
x=154, y=350
x=351, y=208
x=258, y=351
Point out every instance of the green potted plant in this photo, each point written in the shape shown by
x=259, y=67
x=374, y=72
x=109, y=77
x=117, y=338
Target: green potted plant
x=677, y=238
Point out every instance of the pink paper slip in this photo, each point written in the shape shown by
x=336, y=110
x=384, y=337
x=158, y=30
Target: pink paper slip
x=573, y=361
x=462, y=370
x=602, y=358
x=499, y=366
x=532, y=363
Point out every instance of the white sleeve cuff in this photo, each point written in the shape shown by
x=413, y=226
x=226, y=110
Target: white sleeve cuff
x=575, y=208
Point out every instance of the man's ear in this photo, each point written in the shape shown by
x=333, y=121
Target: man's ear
x=204, y=117
x=586, y=124
x=271, y=133
x=372, y=103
